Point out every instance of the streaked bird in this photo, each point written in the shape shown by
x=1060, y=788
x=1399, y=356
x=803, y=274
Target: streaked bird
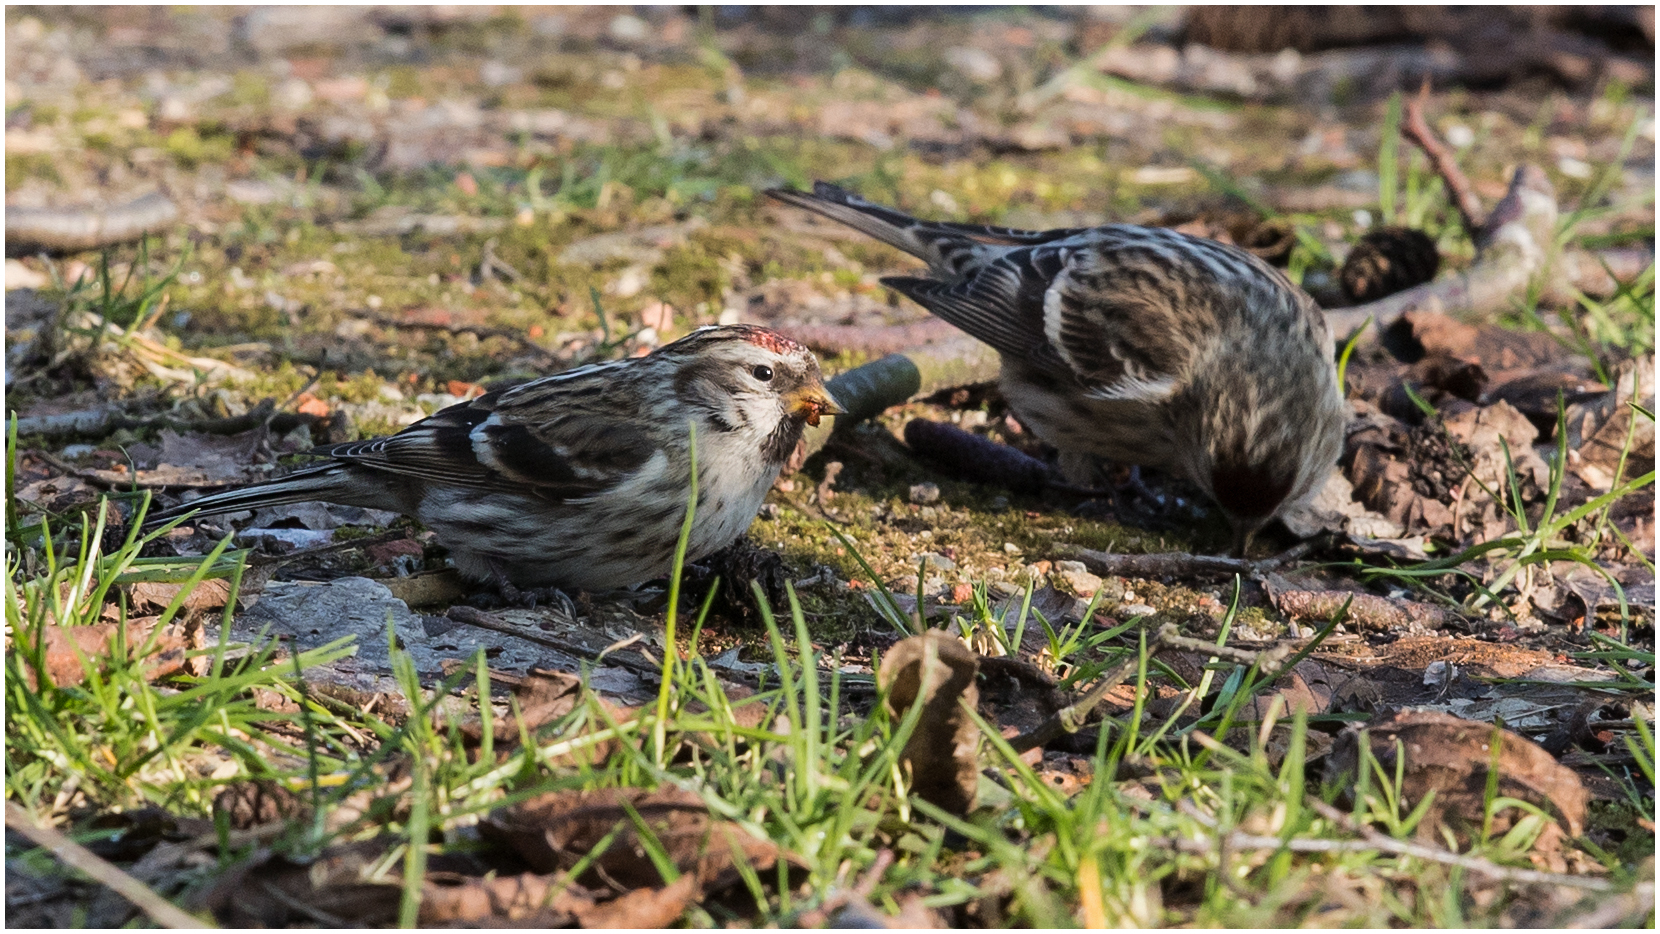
x=1137, y=344
x=581, y=479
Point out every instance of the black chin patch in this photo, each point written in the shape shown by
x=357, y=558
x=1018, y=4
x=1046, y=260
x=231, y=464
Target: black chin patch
x=1248, y=492
x=779, y=445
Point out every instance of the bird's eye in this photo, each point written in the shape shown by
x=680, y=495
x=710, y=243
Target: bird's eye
x=762, y=372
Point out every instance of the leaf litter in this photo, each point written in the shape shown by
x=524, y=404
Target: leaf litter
x=1476, y=462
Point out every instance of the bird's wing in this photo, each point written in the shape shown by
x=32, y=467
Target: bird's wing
x=999, y=302
x=558, y=437
x=1120, y=308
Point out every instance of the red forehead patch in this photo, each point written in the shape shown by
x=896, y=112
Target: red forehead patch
x=770, y=340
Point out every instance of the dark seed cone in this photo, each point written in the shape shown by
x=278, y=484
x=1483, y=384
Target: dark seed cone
x=967, y=456
x=1386, y=261
x=1271, y=240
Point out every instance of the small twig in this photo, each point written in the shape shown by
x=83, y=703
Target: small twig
x=475, y=617
x=1071, y=718
x=1372, y=839
x=1441, y=159
x=490, y=264
x=75, y=856
x=1182, y=564
x=1267, y=660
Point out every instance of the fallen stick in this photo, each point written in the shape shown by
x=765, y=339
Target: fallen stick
x=100, y=422
x=866, y=391
x=72, y=230
x=968, y=456
x=1366, y=611
x=889, y=339
x=1179, y=563
x=101, y=871
x=1417, y=129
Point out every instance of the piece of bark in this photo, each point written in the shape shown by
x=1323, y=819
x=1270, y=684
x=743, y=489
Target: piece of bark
x=1366, y=611
x=65, y=646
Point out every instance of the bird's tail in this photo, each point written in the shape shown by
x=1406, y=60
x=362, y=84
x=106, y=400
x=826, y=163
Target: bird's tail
x=895, y=228
x=328, y=482
x=947, y=248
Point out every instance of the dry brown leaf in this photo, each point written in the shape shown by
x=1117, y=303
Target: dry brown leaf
x=942, y=754
x=335, y=890
x=66, y=646
x=553, y=831
x=1450, y=756
x=527, y=899
x=208, y=594
x=643, y=908
x=544, y=697
x=1496, y=350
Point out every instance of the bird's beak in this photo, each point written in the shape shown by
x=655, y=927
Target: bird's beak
x=812, y=403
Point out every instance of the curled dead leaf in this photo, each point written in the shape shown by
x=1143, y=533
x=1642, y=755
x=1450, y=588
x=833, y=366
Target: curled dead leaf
x=942, y=754
x=1451, y=757
x=208, y=595
x=555, y=830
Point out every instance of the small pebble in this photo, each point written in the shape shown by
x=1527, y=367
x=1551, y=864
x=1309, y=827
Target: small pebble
x=1080, y=582
x=1011, y=548
x=72, y=451
x=925, y=493
x=630, y=29
x=936, y=560
x=768, y=511
x=1574, y=168
x=1134, y=609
